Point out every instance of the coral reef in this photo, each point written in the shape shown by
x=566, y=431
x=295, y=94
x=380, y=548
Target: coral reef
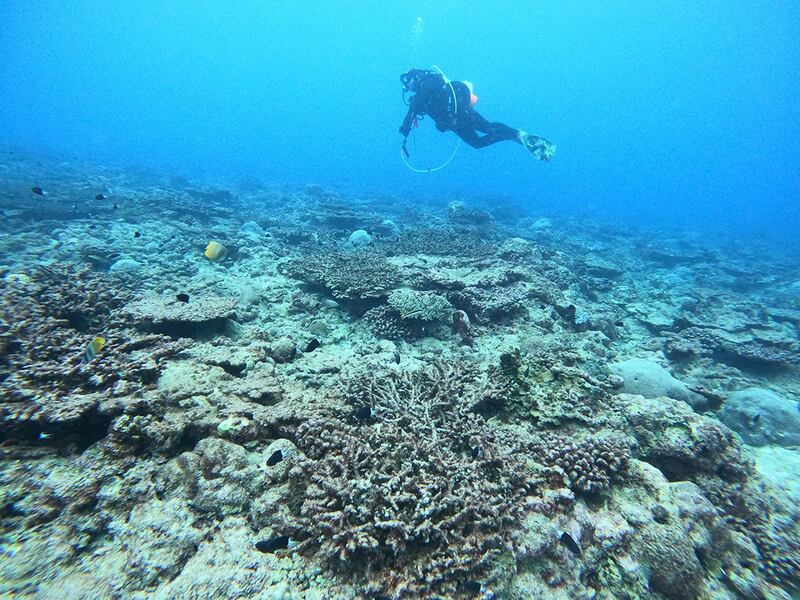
x=480, y=403
x=484, y=305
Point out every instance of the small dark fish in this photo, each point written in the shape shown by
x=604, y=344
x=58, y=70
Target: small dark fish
x=476, y=452
x=570, y=543
x=527, y=371
x=755, y=418
x=37, y=190
x=136, y=234
x=363, y=413
x=280, y=542
x=116, y=206
x=100, y=197
x=92, y=226
x=276, y=457
x=312, y=345
x=619, y=323
x=182, y=297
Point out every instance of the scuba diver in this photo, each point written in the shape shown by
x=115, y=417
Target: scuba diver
x=450, y=105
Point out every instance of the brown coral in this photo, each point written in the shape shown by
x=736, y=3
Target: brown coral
x=424, y=492
x=590, y=465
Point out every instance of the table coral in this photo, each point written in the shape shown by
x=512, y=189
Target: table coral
x=345, y=275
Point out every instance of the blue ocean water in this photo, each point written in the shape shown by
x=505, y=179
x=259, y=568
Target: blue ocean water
x=684, y=115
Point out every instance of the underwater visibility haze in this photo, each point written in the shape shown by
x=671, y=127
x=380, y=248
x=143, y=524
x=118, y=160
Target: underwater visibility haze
x=400, y=300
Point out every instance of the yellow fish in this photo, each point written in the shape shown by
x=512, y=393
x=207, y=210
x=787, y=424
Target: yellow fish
x=215, y=251
x=93, y=348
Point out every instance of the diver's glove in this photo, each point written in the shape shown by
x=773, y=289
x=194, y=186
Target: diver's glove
x=539, y=147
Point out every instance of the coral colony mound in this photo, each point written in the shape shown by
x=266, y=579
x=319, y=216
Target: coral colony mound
x=288, y=392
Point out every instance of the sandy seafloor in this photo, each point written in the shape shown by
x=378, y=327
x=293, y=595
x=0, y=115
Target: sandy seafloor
x=467, y=401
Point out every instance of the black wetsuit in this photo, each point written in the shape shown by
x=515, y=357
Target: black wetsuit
x=434, y=97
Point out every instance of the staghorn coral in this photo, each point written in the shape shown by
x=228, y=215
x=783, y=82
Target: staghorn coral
x=345, y=275
x=441, y=384
x=426, y=493
x=590, y=465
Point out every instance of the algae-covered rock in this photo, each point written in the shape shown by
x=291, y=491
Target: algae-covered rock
x=157, y=309
x=283, y=349
x=780, y=466
x=762, y=417
x=240, y=429
x=125, y=265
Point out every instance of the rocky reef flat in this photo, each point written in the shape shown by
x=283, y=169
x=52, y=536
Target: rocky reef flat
x=362, y=396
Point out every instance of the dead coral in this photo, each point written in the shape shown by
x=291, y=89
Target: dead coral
x=425, y=493
x=687, y=446
x=738, y=350
x=553, y=387
x=200, y=316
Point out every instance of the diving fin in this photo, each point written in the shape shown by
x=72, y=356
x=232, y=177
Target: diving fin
x=538, y=147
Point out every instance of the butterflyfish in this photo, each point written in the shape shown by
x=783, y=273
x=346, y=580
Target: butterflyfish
x=94, y=347
x=215, y=251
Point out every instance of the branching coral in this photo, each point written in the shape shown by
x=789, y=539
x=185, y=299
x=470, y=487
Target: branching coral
x=408, y=315
x=385, y=322
x=424, y=493
x=589, y=465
